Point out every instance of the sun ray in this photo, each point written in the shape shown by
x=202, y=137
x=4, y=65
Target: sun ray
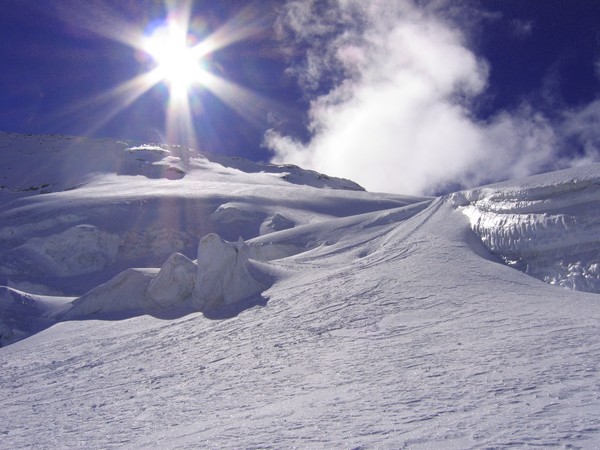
x=245, y=24
x=103, y=107
x=101, y=19
x=172, y=52
x=245, y=102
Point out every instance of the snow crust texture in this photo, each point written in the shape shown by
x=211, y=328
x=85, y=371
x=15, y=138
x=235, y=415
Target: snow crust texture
x=229, y=307
x=389, y=334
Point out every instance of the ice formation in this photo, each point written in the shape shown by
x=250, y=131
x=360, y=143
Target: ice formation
x=124, y=294
x=175, y=281
x=549, y=230
x=77, y=250
x=225, y=273
x=389, y=322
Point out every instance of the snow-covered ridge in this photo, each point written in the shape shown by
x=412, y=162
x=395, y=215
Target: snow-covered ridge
x=109, y=205
x=105, y=221
x=353, y=320
x=547, y=226
x=31, y=164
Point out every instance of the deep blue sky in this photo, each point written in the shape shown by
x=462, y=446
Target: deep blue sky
x=544, y=51
x=558, y=53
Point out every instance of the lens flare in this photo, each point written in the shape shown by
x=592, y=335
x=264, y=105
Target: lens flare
x=178, y=64
x=175, y=52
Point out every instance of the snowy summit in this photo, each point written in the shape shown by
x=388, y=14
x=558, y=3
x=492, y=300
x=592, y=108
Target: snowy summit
x=153, y=296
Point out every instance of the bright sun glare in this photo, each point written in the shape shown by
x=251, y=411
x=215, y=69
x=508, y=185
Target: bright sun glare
x=179, y=59
x=177, y=64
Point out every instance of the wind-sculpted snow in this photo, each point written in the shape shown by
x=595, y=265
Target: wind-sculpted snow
x=388, y=331
x=549, y=228
x=76, y=212
x=341, y=319
x=23, y=314
x=223, y=275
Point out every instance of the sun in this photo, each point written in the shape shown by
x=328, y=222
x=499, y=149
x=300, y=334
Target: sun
x=176, y=51
x=179, y=65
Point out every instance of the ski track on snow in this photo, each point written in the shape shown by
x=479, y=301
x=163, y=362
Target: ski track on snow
x=390, y=322
x=377, y=360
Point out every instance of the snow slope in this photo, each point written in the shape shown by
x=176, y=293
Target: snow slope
x=107, y=206
x=373, y=322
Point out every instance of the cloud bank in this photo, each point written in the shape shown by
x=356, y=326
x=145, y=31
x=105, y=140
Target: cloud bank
x=393, y=89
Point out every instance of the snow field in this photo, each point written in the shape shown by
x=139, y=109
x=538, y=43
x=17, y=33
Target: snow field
x=341, y=319
x=397, y=335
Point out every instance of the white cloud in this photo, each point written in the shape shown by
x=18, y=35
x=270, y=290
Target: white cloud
x=392, y=88
x=581, y=126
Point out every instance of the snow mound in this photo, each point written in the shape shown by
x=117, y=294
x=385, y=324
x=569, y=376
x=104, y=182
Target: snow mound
x=225, y=274
x=277, y=222
x=125, y=293
x=296, y=175
x=149, y=149
x=549, y=229
x=175, y=281
x=152, y=162
x=23, y=314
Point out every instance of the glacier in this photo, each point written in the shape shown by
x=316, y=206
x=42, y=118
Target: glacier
x=240, y=305
x=548, y=227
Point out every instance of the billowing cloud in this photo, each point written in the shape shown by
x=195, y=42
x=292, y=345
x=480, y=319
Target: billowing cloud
x=582, y=127
x=392, y=88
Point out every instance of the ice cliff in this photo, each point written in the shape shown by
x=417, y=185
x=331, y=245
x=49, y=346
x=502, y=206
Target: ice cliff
x=547, y=226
